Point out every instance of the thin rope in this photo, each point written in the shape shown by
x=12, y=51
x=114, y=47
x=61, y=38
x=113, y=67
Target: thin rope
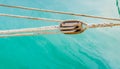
x=29, y=17
x=60, y=12
x=27, y=30
x=103, y=25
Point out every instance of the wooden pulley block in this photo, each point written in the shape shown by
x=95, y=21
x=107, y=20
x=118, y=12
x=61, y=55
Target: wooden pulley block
x=71, y=27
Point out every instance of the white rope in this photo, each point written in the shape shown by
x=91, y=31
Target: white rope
x=46, y=30
x=41, y=29
x=32, y=18
x=28, y=34
x=60, y=12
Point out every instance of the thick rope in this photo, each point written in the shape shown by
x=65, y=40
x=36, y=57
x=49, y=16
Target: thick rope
x=32, y=18
x=27, y=30
x=28, y=34
x=46, y=30
x=60, y=12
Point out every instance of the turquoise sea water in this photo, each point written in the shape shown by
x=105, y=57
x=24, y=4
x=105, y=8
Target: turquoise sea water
x=93, y=49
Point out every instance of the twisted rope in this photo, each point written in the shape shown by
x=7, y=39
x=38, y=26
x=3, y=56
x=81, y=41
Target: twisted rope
x=60, y=12
x=103, y=25
x=32, y=18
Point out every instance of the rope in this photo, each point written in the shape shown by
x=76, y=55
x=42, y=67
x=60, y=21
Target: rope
x=27, y=34
x=60, y=12
x=46, y=30
x=29, y=31
x=103, y=25
x=32, y=18
x=41, y=29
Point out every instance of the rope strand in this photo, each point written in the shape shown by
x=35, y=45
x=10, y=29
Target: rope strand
x=60, y=12
x=103, y=25
x=32, y=18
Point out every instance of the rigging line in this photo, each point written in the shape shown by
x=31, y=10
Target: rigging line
x=103, y=25
x=32, y=18
x=41, y=29
x=40, y=33
x=28, y=34
x=117, y=4
x=60, y=12
x=52, y=28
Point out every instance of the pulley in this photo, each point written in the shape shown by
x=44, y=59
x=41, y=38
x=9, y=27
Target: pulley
x=72, y=27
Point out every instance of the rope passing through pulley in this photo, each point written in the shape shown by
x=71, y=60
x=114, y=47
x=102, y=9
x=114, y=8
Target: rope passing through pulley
x=77, y=27
x=66, y=27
